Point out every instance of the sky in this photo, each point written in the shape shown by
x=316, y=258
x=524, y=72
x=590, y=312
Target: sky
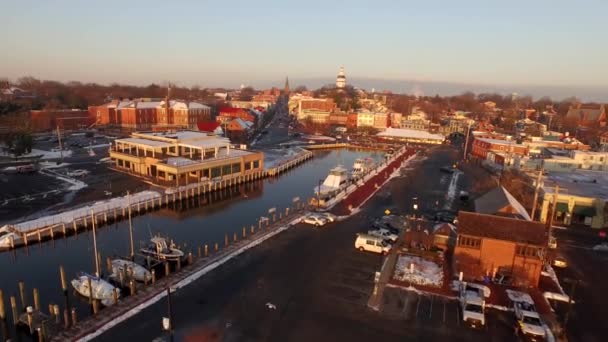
x=532, y=45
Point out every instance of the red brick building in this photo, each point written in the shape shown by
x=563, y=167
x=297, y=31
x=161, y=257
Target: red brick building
x=488, y=244
x=481, y=147
x=590, y=116
x=227, y=114
x=340, y=119
x=351, y=122
x=326, y=105
x=68, y=119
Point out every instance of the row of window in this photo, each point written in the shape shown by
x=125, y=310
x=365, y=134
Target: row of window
x=469, y=242
x=528, y=251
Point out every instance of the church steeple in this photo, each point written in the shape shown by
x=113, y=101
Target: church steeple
x=286, y=85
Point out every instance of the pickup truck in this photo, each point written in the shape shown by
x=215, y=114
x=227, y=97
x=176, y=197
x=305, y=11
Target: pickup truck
x=472, y=304
x=527, y=318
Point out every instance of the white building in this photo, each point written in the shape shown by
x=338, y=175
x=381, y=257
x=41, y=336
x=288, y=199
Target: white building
x=365, y=119
x=341, y=79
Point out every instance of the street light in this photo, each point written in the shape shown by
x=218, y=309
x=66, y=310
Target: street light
x=319, y=195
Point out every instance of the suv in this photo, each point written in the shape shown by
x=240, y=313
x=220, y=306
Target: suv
x=315, y=220
x=385, y=234
x=371, y=243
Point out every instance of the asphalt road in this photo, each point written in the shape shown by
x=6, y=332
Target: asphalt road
x=587, y=267
x=315, y=278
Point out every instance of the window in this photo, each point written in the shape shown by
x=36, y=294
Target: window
x=226, y=170
x=236, y=168
x=469, y=242
x=370, y=242
x=527, y=251
x=247, y=166
x=256, y=164
x=216, y=172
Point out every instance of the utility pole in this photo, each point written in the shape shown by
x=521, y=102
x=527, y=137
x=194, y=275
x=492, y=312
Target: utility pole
x=553, y=205
x=60, y=146
x=466, y=143
x=97, y=274
x=130, y=226
x=536, y=191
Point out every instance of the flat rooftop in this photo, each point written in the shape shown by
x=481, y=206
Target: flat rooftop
x=583, y=183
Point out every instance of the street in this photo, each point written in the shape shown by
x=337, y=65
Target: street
x=309, y=284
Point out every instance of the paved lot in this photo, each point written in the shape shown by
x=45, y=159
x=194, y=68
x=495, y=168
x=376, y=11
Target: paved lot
x=319, y=285
x=588, y=267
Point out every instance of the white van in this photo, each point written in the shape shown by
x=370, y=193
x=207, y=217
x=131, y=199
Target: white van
x=370, y=243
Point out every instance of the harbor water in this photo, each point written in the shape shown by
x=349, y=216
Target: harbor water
x=222, y=213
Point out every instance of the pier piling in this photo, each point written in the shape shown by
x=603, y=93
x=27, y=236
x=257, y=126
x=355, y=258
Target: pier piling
x=189, y=258
x=244, y=232
x=252, y=229
x=235, y=238
x=2, y=308
x=132, y=288
x=22, y=295
x=74, y=316
x=217, y=247
x=167, y=270
x=36, y=299
x=115, y=295
x=66, y=318
x=14, y=310
x=179, y=264
x=64, y=283
x=90, y=291
x=153, y=276
x=206, y=250
x=226, y=240
x=199, y=252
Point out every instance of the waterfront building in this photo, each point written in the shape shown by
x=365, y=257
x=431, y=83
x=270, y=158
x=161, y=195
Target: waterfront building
x=182, y=157
x=365, y=118
x=411, y=136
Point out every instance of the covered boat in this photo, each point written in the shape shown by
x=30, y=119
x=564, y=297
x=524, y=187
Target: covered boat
x=138, y=272
x=9, y=236
x=100, y=289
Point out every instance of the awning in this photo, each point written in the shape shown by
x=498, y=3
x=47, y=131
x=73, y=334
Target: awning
x=561, y=207
x=584, y=211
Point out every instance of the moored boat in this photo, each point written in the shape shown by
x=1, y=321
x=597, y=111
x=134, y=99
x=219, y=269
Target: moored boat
x=100, y=289
x=160, y=249
x=137, y=271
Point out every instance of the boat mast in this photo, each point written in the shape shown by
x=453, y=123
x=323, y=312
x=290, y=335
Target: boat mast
x=130, y=226
x=95, y=245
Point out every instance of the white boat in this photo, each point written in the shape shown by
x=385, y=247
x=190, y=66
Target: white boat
x=100, y=289
x=336, y=185
x=160, y=249
x=362, y=166
x=139, y=272
x=8, y=233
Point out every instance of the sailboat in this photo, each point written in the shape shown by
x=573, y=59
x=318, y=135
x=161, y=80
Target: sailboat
x=139, y=272
x=100, y=289
x=160, y=249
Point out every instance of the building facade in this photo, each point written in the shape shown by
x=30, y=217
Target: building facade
x=341, y=79
x=67, y=119
x=488, y=244
x=180, y=158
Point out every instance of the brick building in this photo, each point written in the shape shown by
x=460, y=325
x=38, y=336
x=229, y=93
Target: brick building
x=227, y=114
x=590, y=116
x=482, y=146
x=68, y=119
x=489, y=244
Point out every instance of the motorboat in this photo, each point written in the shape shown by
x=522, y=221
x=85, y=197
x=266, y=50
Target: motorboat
x=100, y=289
x=8, y=233
x=336, y=180
x=362, y=166
x=138, y=272
x=160, y=249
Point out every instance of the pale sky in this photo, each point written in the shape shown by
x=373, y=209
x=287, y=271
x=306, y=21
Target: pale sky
x=226, y=43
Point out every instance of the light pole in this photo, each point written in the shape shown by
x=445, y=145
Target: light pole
x=319, y=195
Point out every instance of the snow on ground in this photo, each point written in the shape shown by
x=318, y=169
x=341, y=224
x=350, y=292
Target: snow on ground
x=451, y=193
x=274, y=158
x=97, y=207
x=99, y=146
x=52, y=165
x=425, y=272
x=75, y=184
x=46, y=154
x=549, y=272
x=601, y=248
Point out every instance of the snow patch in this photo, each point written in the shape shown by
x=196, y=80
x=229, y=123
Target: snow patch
x=550, y=272
x=51, y=165
x=451, y=193
x=425, y=272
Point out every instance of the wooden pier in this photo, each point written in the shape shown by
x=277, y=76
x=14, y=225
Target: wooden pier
x=170, y=198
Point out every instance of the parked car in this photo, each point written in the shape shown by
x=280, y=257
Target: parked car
x=560, y=262
x=385, y=225
x=385, y=234
x=445, y=216
x=447, y=169
x=371, y=243
x=29, y=168
x=315, y=220
x=328, y=216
